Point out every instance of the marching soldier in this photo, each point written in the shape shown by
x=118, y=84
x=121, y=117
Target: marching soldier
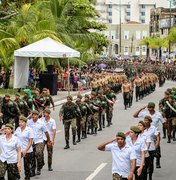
x=111, y=98
x=25, y=135
x=51, y=128
x=22, y=105
x=68, y=113
x=1, y=121
x=39, y=129
x=81, y=123
x=138, y=84
x=48, y=98
x=28, y=100
x=10, y=111
x=39, y=101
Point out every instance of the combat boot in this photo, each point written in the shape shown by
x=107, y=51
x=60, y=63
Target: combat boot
x=74, y=139
x=67, y=145
x=50, y=168
x=79, y=139
x=158, y=163
x=83, y=135
x=95, y=130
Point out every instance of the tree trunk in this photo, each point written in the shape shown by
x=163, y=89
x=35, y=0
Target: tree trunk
x=147, y=54
x=7, y=79
x=160, y=54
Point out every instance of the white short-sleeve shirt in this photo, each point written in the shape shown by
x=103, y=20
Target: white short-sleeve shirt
x=38, y=128
x=121, y=158
x=156, y=118
x=9, y=149
x=152, y=131
x=138, y=146
x=50, y=125
x=24, y=137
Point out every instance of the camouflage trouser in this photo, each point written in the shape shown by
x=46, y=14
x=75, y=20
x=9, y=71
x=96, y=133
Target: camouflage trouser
x=12, y=171
x=50, y=153
x=116, y=176
x=28, y=163
x=38, y=156
x=95, y=120
x=67, y=124
x=109, y=114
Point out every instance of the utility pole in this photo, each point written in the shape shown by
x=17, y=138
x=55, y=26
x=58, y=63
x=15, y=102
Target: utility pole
x=120, y=27
x=169, y=30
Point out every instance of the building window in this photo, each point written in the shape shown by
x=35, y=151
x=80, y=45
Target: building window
x=128, y=5
x=143, y=6
x=137, y=49
x=110, y=13
x=112, y=37
x=128, y=13
x=126, y=34
x=110, y=21
x=143, y=49
x=143, y=21
x=142, y=13
x=138, y=35
x=110, y=5
x=126, y=49
x=144, y=34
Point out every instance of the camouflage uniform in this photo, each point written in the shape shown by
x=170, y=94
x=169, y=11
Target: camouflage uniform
x=12, y=171
x=10, y=112
x=29, y=102
x=48, y=100
x=39, y=102
x=69, y=112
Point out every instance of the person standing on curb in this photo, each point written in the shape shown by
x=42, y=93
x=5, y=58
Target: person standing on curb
x=123, y=157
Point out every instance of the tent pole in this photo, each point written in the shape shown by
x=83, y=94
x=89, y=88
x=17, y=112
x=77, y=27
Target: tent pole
x=68, y=77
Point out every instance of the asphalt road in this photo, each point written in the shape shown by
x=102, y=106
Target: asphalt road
x=85, y=162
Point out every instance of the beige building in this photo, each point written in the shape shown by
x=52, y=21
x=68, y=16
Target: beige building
x=131, y=35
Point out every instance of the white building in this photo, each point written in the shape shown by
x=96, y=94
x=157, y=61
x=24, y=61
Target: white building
x=131, y=10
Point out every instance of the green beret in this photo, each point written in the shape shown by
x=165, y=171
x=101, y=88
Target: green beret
x=79, y=96
x=142, y=122
x=47, y=110
x=148, y=118
x=17, y=94
x=70, y=97
x=9, y=125
x=151, y=104
x=35, y=112
x=93, y=93
x=23, y=118
x=45, y=89
x=7, y=95
x=86, y=96
x=135, y=129
x=121, y=134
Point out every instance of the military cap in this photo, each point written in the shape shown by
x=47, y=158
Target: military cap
x=37, y=89
x=17, y=94
x=142, y=122
x=151, y=104
x=23, y=118
x=70, y=97
x=109, y=86
x=169, y=90
x=35, y=112
x=79, y=96
x=148, y=118
x=121, y=134
x=86, y=96
x=25, y=92
x=135, y=129
x=93, y=93
x=100, y=92
x=47, y=110
x=8, y=125
x=166, y=92
x=7, y=95
x=44, y=89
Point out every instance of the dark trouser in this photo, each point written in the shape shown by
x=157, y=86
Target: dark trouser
x=126, y=98
x=12, y=171
x=100, y=119
x=137, y=93
x=141, y=177
x=149, y=167
x=79, y=128
x=169, y=128
x=109, y=115
x=28, y=163
x=50, y=153
x=38, y=156
x=67, y=124
x=116, y=176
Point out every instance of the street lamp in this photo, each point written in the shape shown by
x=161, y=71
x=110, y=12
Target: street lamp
x=169, y=28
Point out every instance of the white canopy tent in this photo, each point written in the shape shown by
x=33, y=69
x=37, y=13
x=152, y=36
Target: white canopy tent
x=46, y=47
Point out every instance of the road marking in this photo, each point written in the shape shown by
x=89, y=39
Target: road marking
x=97, y=170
